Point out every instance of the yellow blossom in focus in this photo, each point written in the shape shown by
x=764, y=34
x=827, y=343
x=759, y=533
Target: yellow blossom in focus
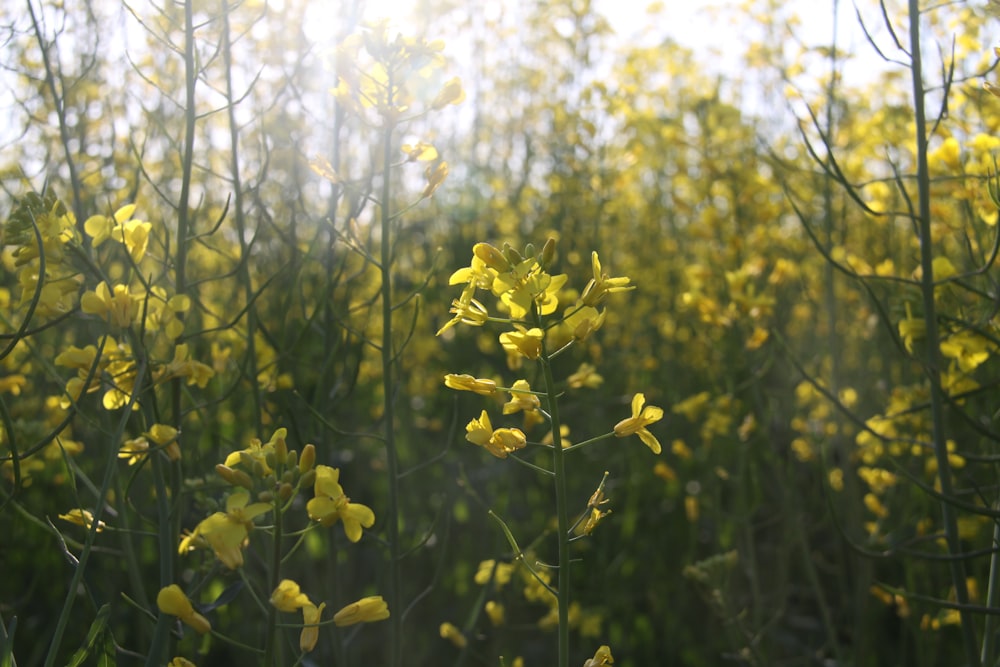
x=454, y=635
x=469, y=383
x=134, y=449
x=288, y=597
x=521, y=399
x=171, y=600
x=527, y=343
x=365, y=610
x=601, y=285
x=310, y=631
x=330, y=505
x=640, y=419
x=116, y=307
x=83, y=518
x=499, y=442
x=165, y=436
x=180, y=662
x=226, y=532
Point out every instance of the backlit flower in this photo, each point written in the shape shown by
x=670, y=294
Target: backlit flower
x=171, y=600
x=469, y=383
x=331, y=505
x=288, y=597
x=226, y=532
x=601, y=658
x=310, y=631
x=365, y=610
x=82, y=518
x=640, y=419
x=601, y=284
x=527, y=343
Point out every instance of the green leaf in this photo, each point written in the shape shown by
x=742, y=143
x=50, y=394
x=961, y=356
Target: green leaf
x=7, y=643
x=97, y=630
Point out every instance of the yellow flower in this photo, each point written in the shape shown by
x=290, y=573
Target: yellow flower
x=165, y=436
x=467, y=311
x=330, y=505
x=226, y=532
x=134, y=450
x=180, y=662
x=469, y=383
x=640, y=419
x=171, y=600
x=117, y=308
x=528, y=284
x=288, y=597
x=527, y=343
x=602, y=657
x=601, y=285
x=495, y=611
x=365, y=610
x=255, y=456
x=310, y=632
x=585, y=376
x=579, y=321
x=521, y=399
x=454, y=635
x=500, y=442
x=82, y=518
x=133, y=233
x=451, y=93
x=500, y=571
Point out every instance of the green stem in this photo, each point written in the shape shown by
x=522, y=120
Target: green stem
x=932, y=353
x=270, y=642
x=562, y=512
x=388, y=416
x=109, y=472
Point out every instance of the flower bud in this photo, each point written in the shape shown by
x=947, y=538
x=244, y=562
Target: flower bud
x=308, y=458
x=285, y=491
x=308, y=478
x=234, y=477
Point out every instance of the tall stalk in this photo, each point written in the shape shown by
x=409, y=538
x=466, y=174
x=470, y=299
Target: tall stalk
x=932, y=352
x=388, y=390
x=562, y=511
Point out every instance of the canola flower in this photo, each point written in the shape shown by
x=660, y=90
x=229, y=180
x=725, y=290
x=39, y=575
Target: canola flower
x=366, y=610
x=331, y=505
x=171, y=600
x=640, y=419
x=226, y=532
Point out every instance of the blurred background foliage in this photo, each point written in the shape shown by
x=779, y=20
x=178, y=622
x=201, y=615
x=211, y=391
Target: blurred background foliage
x=765, y=212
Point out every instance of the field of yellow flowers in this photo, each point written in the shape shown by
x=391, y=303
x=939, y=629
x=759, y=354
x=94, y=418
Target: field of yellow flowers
x=489, y=338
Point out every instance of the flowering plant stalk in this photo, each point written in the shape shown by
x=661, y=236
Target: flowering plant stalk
x=528, y=297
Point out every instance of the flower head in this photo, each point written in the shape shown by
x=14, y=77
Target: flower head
x=226, y=532
x=82, y=518
x=468, y=383
x=525, y=342
x=365, y=610
x=640, y=419
x=171, y=600
x=310, y=631
x=601, y=658
x=499, y=442
x=288, y=597
x=601, y=285
x=330, y=505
